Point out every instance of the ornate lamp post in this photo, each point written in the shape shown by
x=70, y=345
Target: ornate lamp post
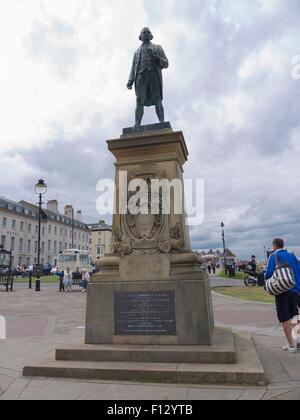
x=40, y=189
x=224, y=245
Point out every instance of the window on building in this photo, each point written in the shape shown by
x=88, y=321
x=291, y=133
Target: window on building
x=43, y=231
x=20, y=261
x=60, y=247
x=49, y=245
x=13, y=224
x=55, y=246
x=49, y=229
x=4, y=222
x=3, y=240
x=55, y=230
x=70, y=246
x=61, y=232
x=12, y=243
x=79, y=247
x=29, y=227
x=36, y=247
x=100, y=251
x=36, y=229
x=28, y=261
x=21, y=244
x=66, y=245
x=21, y=226
x=43, y=247
x=29, y=245
x=75, y=235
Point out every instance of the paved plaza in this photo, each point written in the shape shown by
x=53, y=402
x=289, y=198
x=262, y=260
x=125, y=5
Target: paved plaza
x=38, y=323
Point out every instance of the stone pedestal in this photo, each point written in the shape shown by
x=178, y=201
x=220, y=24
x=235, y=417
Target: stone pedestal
x=149, y=312
x=153, y=289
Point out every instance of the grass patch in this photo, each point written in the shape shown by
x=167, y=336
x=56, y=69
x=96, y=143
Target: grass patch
x=255, y=294
x=238, y=275
x=44, y=279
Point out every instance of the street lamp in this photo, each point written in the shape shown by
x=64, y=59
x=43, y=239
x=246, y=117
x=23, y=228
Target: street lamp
x=40, y=189
x=73, y=217
x=224, y=245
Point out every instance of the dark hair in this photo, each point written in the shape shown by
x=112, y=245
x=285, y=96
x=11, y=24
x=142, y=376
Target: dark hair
x=140, y=37
x=279, y=243
x=253, y=256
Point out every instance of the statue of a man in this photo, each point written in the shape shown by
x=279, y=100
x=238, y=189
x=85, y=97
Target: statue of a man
x=146, y=74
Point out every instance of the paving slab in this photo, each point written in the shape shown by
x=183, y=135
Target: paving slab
x=215, y=395
x=289, y=396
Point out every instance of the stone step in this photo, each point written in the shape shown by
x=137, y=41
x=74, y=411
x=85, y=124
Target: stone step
x=246, y=371
x=222, y=351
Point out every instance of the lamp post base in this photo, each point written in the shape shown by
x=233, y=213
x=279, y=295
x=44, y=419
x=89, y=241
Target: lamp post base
x=38, y=285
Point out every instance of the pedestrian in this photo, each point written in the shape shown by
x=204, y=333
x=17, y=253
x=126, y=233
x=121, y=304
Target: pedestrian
x=286, y=303
x=252, y=264
x=209, y=269
x=68, y=280
x=85, y=281
x=61, y=282
x=214, y=268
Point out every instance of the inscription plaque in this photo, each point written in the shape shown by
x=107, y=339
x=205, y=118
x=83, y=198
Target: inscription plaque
x=145, y=313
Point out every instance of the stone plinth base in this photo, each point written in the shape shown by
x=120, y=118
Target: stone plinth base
x=192, y=326
x=176, y=364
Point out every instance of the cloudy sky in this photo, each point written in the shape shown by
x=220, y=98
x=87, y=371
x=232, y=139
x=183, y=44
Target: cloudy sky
x=64, y=65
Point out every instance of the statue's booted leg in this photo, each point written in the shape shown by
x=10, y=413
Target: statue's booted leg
x=139, y=112
x=160, y=111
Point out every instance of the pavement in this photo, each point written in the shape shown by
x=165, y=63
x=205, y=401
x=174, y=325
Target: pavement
x=38, y=323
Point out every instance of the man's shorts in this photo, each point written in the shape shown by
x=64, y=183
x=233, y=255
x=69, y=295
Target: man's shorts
x=286, y=305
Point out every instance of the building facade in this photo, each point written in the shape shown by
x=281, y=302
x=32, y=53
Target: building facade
x=19, y=231
x=101, y=240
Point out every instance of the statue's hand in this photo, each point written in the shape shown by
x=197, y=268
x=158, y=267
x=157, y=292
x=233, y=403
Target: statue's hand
x=129, y=85
x=156, y=58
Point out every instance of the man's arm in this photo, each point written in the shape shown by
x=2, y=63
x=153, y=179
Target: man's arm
x=163, y=62
x=271, y=267
x=131, y=76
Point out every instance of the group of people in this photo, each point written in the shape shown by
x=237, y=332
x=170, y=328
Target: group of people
x=211, y=268
x=67, y=280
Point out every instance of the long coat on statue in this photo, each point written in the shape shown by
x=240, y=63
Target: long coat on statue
x=163, y=63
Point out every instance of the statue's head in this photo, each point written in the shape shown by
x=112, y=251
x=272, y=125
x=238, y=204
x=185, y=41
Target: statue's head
x=146, y=35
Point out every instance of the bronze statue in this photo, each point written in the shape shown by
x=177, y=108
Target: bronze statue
x=146, y=74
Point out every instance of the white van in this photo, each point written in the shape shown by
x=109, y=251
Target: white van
x=75, y=260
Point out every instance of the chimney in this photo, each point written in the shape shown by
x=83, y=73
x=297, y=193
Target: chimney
x=52, y=205
x=79, y=216
x=69, y=211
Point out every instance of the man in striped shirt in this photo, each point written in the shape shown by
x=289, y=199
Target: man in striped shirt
x=286, y=304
